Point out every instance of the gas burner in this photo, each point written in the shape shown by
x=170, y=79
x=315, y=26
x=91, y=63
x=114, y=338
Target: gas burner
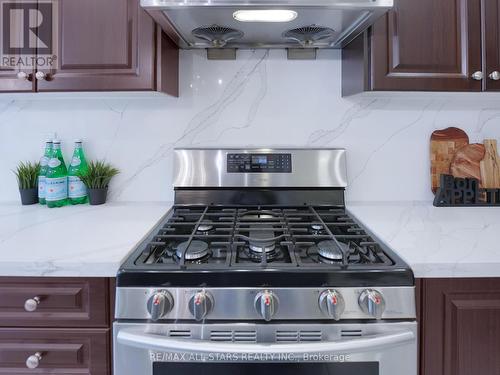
x=330, y=251
x=197, y=250
x=317, y=229
x=261, y=241
x=205, y=229
x=259, y=215
x=275, y=255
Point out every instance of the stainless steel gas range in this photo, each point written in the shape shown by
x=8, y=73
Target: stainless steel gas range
x=259, y=268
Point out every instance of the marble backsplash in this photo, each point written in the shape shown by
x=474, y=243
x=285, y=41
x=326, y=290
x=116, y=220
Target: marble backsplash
x=261, y=99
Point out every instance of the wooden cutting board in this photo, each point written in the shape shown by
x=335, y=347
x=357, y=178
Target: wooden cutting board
x=490, y=165
x=466, y=162
x=444, y=144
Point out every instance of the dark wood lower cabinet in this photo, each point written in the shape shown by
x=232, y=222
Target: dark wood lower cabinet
x=460, y=326
x=63, y=302
x=70, y=327
x=62, y=351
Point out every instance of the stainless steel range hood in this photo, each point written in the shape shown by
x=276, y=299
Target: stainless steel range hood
x=303, y=24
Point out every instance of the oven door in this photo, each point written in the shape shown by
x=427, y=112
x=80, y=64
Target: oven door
x=267, y=349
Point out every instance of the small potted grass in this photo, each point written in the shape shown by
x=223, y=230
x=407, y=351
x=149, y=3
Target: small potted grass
x=96, y=178
x=27, y=180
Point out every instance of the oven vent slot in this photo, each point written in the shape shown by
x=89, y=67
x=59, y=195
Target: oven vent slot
x=186, y=333
x=351, y=333
x=298, y=336
x=233, y=336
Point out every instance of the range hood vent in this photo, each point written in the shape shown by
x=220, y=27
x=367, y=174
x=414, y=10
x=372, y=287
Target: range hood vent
x=217, y=35
x=309, y=24
x=308, y=36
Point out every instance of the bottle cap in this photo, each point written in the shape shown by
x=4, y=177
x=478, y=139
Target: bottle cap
x=50, y=136
x=78, y=140
x=56, y=140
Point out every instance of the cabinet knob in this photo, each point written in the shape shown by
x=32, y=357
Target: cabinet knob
x=495, y=76
x=478, y=76
x=31, y=304
x=23, y=76
x=40, y=76
x=33, y=361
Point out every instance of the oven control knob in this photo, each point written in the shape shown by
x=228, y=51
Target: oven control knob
x=200, y=304
x=266, y=304
x=331, y=303
x=372, y=303
x=160, y=304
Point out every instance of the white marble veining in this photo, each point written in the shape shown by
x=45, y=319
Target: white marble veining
x=437, y=241
x=80, y=240
x=261, y=99
x=93, y=241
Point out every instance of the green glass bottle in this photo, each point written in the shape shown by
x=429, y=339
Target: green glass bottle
x=77, y=191
x=44, y=161
x=56, y=179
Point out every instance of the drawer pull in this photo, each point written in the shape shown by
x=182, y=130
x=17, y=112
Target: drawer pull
x=34, y=360
x=32, y=304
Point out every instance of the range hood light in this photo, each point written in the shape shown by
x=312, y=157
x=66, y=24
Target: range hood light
x=265, y=15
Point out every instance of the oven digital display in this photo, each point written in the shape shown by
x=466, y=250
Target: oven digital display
x=259, y=163
x=259, y=159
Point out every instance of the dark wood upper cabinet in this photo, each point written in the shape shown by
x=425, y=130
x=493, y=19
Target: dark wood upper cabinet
x=15, y=79
x=425, y=45
x=492, y=44
x=109, y=45
x=460, y=327
x=11, y=82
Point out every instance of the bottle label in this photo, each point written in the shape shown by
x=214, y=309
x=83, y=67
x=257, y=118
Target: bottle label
x=54, y=163
x=44, y=161
x=76, y=188
x=75, y=162
x=41, y=187
x=56, y=188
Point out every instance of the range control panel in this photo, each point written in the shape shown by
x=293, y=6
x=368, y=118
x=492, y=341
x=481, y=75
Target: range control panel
x=259, y=163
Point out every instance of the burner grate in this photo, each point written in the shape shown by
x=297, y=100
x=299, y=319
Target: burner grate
x=260, y=236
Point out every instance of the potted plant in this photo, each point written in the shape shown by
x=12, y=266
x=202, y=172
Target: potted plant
x=96, y=179
x=27, y=180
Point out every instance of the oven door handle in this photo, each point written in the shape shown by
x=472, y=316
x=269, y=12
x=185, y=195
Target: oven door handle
x=148, y=341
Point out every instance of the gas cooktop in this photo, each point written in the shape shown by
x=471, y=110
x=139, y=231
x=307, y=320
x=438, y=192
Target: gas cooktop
x=266, y=244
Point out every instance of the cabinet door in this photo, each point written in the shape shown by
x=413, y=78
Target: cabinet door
x=60, y=302
x=461, y=327
x=10, y=82
x=427, y=45
x=59, y=351
x=9, y=69
x=492, y=44
x=103, y=45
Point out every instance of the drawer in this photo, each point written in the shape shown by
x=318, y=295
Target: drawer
x=61, y=351
x=55, y=302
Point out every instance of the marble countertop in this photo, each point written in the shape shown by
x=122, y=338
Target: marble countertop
x=94, y=240
x=78, y=240
x=437, y=241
